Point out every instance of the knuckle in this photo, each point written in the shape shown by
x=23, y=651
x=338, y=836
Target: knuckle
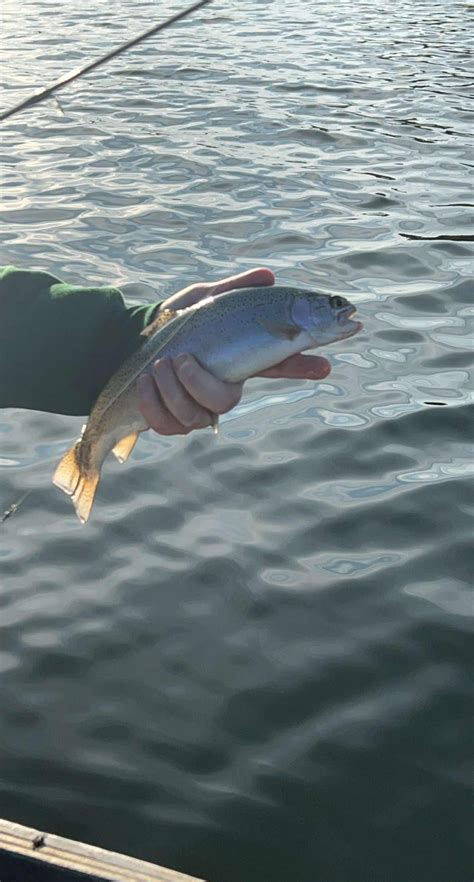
x=174, y=430
x=200, y=420
x=185, y=413
x=222, y=407
x=156, y=425
x=232, y=398
x=165, y=424
x=185, y=366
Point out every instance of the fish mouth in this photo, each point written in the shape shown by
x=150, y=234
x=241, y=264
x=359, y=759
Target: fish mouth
x=344, y=318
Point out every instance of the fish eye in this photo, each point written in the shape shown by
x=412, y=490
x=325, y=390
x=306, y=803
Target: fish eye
x=338, y=302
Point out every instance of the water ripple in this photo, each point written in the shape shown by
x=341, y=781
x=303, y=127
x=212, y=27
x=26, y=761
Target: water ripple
x=262, y=638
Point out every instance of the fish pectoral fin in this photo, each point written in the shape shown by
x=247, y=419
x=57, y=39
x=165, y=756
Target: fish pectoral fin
x=124, y=447
x=277, y=329
x=160, y=321
x=215, y=423
x=80, y=485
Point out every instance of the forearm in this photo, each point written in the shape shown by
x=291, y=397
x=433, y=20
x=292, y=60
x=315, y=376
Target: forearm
x=60, y=343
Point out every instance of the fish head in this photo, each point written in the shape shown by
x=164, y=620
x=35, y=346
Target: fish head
x=326, y=318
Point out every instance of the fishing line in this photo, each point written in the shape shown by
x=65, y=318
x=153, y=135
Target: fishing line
x=49, y=91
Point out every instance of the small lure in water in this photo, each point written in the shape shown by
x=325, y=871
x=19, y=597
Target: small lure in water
x=13, y=507
x=234, y=335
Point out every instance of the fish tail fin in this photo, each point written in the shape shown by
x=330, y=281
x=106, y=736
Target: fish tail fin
x=77, y=482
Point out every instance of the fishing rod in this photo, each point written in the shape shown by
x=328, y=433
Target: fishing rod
x=50, y=91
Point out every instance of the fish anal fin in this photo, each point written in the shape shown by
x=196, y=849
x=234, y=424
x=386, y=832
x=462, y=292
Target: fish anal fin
x=277, y=329
x=124, y=447
x=78, y=483
x=162, y=319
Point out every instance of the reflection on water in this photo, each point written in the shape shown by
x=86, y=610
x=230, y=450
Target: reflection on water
x=251, y=665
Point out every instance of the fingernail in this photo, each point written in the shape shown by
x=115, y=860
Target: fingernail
x=159, y=365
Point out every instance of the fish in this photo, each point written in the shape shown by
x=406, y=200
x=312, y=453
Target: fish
x=235, y=335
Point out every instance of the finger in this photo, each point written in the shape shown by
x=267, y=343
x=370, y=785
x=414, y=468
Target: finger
x=300, y=367
x=213, y=394
x=194, y=293
x=247, y=279
x=152, y=408
x=176, y=399
x=156, y=413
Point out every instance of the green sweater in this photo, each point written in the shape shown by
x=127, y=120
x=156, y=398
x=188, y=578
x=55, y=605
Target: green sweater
x=60, y=343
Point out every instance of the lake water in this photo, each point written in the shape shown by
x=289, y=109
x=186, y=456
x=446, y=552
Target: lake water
x=252, y=664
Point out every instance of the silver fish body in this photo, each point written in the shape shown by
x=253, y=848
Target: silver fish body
x=234, y=335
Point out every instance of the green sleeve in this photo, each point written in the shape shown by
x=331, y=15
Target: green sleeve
x=60, y=343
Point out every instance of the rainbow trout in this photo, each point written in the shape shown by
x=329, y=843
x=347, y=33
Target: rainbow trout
x=234, y=335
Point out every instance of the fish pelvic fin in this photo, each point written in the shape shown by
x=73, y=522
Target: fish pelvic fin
x=124, y=447
x=77, y=482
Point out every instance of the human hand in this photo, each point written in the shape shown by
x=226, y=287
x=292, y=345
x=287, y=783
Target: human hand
x=181, y=396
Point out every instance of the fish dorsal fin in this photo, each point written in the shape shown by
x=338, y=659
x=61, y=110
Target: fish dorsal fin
x=159, y=322
x=279, y=329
